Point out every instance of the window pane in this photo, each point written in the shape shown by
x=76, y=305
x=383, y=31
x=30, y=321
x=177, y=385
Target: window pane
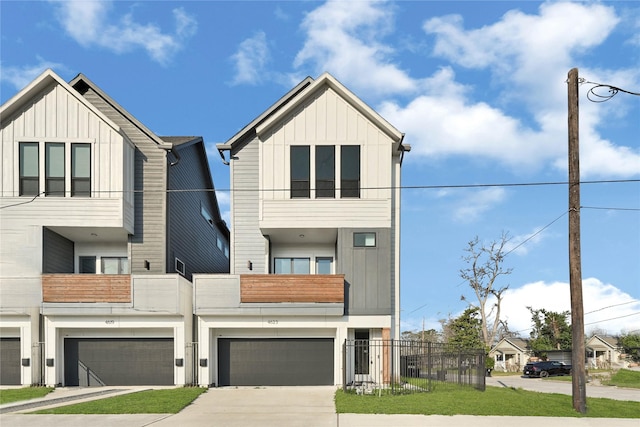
x=282, y=266
x=54, y=160
x=301, y=266
x=29, y=159
x=364, y=239
x=323, y=265
x=300, y=171
x=110, y=266
x=81, y=161
x=87, y=264
x=325, y=171
x=350, y=171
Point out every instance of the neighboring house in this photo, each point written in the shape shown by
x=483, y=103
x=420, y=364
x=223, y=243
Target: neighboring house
x=603, y=352
x=315, y=238
x=97, y=250
x=510, y=354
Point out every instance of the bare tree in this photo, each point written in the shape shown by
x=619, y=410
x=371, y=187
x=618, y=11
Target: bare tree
x=485, y=266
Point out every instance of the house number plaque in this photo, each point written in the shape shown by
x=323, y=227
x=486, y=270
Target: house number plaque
x=272, y=322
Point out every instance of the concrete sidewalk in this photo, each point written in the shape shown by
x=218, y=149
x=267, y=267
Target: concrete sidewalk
x=270, y=407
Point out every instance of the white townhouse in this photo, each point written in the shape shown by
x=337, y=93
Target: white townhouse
x=96, y=250
x=315, y=246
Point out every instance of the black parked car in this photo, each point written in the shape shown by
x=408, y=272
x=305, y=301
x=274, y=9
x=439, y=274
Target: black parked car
x=544, y=369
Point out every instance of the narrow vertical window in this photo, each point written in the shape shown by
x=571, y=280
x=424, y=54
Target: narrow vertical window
x=300, y=174
x=81, y=170
x=54, y=169
x=325, y=171
x=350, y=171
x=29, y=169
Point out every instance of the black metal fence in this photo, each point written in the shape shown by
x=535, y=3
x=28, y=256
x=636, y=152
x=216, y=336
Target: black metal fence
x=376, y=366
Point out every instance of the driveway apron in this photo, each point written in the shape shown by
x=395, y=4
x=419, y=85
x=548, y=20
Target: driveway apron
x=259, y=406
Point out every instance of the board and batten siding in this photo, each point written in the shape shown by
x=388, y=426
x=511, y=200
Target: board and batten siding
x=367, y=272
x=190, y=236
x=57, y=116
x=327, y=119
x=247, y=242
x=148, y=243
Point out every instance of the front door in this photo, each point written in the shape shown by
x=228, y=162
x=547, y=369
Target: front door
x=362, y=352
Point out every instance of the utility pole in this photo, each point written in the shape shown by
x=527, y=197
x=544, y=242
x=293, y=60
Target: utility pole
x=578, y=380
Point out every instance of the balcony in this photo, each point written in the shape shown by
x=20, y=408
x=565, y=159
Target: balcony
x=269, y=294
x=65, y=288
x=116, y=294
x=293, y=288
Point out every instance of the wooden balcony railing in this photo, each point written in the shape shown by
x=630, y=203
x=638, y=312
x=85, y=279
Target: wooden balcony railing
x=305, y=288
x=71, y=288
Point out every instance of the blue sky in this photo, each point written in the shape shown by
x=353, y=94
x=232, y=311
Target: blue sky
x=477, y=87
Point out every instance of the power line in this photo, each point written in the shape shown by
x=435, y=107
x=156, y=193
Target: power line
x=609, y=209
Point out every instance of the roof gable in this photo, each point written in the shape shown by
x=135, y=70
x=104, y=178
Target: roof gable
x=323, y=81
x=39, y=84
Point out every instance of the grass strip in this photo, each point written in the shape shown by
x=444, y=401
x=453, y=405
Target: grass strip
x=166, y=401
x=493, y=401
x=17, y=394
x=625, y=378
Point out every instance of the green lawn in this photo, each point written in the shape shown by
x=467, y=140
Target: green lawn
x=625, y=378
x=493, y=401
x=166, y=401
x=26, y=393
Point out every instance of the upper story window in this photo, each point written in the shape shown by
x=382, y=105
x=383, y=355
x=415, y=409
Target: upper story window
x=291, y=266
x=56, y=169
x=29, y=169
x=325, y=171
x=350, y=171
x=364, y=240
x=323, y=158
x=81, y=170
x=300, y=171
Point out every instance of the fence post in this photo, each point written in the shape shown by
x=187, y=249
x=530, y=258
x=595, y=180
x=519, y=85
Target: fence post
x=393, y=368
x=344, y=366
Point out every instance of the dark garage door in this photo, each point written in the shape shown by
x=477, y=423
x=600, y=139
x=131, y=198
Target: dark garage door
x=10, y=361
x=275, y=362
x=118, y=361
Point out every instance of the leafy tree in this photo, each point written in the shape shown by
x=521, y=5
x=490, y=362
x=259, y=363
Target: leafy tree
x=465, y=331
x=485, y=266
x=430, y=335
x=550, y=330
x=631, y=345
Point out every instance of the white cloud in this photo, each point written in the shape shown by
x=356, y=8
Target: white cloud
x=605, y=306
x=477, y=203
x=345, y=38
x=87, y=23
x=19, y=77
x=521, y=243
x=250, y=59
x=528, y=56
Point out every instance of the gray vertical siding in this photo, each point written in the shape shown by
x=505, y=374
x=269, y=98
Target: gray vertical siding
x=148, y=240
x=190, y=236
x=57, y=253
x=367, y=272
x=248, y=242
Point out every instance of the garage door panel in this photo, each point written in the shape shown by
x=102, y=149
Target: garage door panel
x=124, y=361
x=10, y=361
x=276, y=362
